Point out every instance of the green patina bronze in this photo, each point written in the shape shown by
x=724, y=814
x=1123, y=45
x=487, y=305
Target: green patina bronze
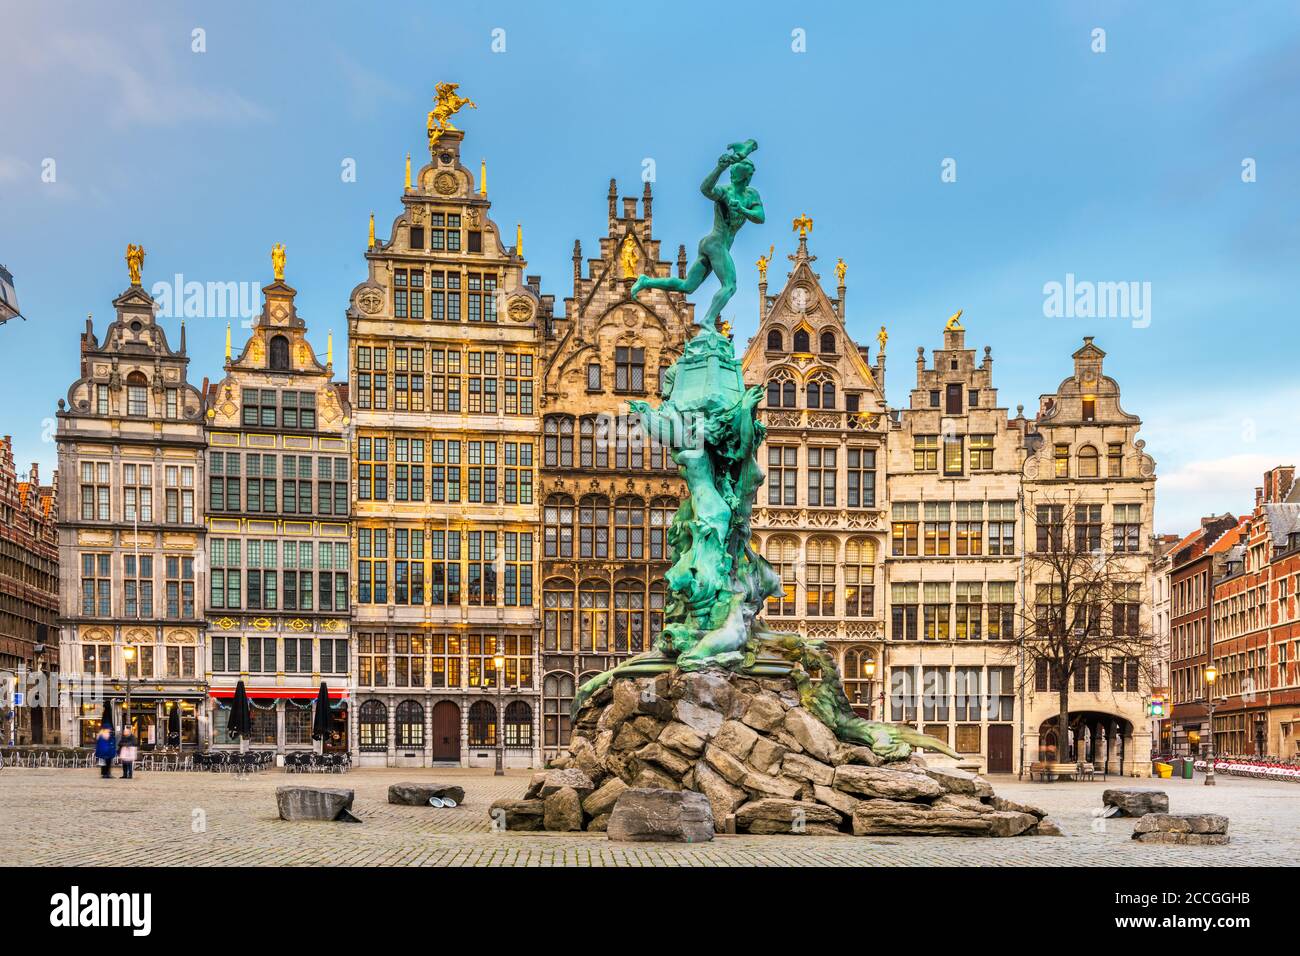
x=717, y=583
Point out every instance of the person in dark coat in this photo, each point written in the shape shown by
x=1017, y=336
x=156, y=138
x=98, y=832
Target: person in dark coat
x=128, y=751
x=105, y=751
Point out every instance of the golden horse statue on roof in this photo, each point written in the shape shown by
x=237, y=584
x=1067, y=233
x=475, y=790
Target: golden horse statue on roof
x=447, y=102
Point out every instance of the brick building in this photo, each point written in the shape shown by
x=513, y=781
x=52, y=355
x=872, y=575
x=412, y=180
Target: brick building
x=29, y=604
x=1255, y=642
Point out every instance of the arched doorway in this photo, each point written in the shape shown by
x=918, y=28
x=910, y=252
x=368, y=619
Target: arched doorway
x=446, y=731
x=1093, y=737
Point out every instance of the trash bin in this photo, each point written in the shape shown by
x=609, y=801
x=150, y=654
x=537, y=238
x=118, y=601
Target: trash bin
x=1188, y=766
x=1164, y=770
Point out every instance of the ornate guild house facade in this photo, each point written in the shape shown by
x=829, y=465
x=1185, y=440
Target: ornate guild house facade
x=278, y=531
x=444, y=372
x=131, y=535
x=608, y=493
x=819, y=519
x=954, y=556
x=1086, y=457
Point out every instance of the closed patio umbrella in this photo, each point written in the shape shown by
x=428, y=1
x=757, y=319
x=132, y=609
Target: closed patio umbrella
x=240, y=725
x=174, y=725
x=320, y=721
x=107, y=719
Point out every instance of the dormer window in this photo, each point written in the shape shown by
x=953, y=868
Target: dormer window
x=1089, y=408
x=279, y=354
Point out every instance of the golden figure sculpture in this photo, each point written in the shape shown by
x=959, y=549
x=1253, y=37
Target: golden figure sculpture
x=277, y=261
x=954, y=322
x=803, y=225
x=763, y=262
x=627, y=256
x=134, y=262
x=882, y=337
x=840, y=269
x=446, y=104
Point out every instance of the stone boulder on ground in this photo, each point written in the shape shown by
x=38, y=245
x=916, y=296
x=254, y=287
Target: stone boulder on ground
x=1136, y=801
x=314, y=803
x=418, y=794
x=661, y=816
x=1195, y=829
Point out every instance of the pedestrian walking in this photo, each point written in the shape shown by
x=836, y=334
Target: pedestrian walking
x=105, y=751
x=128, y=753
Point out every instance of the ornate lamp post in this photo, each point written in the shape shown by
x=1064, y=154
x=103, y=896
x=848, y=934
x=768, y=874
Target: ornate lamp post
x=499, y=661
x=1211, y=675
x=869, y=668
x=128, y=655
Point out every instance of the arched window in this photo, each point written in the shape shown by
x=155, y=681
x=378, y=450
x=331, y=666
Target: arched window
x=482, y=724
x=775, y=340
x=859, y=577
x=137, y=394
x=410, y=724
x=519, y=725
x=278, y=354
x=593, y=617
x=557, y=527
x=373, y=726
x=821, y=393
x=557, y=441
x=787, y=393
x=828, y=343
x=1088, y=462
x=820, y=581
x=783, y=555
x=593, y=527
x=557, y=615
x=774, y=394
x=557, y=698
x=801, y=340
x=629, y=617
x=629, y=528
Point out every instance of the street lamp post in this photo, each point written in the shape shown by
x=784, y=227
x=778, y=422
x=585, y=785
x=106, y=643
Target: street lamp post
x=1211, y=674
x=869, y=668
x=128, y=655
x=500, y=662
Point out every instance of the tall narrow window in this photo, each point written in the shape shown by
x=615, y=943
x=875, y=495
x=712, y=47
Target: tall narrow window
x=279, y=354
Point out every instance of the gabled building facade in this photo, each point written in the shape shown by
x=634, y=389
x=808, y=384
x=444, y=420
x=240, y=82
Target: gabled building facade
x=820, y=517
x=1087, y=460
x=608, y=493
x=278, y=525
x=445, y=366
x=131, y=501
x=954, y=556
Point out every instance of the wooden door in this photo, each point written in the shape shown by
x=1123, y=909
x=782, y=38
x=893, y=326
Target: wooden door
x=1000, y=759
x=446, y=731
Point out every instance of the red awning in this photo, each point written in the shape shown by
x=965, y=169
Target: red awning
x=262, y=693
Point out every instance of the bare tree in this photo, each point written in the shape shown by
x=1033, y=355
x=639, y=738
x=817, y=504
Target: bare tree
x=1082, y=604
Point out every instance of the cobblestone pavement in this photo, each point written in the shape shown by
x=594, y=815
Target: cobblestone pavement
x=71, y=817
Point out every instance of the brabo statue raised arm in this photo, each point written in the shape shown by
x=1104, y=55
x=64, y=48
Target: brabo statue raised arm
x=717, y=583
x=734, y=204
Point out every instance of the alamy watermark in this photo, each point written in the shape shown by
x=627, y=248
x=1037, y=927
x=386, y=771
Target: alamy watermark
x=1084, y=299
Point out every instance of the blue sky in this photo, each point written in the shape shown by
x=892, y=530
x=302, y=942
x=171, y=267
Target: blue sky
x=1124, y=165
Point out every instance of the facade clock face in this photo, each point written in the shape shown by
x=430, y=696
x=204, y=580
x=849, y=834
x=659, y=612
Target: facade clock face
x=799, y=299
